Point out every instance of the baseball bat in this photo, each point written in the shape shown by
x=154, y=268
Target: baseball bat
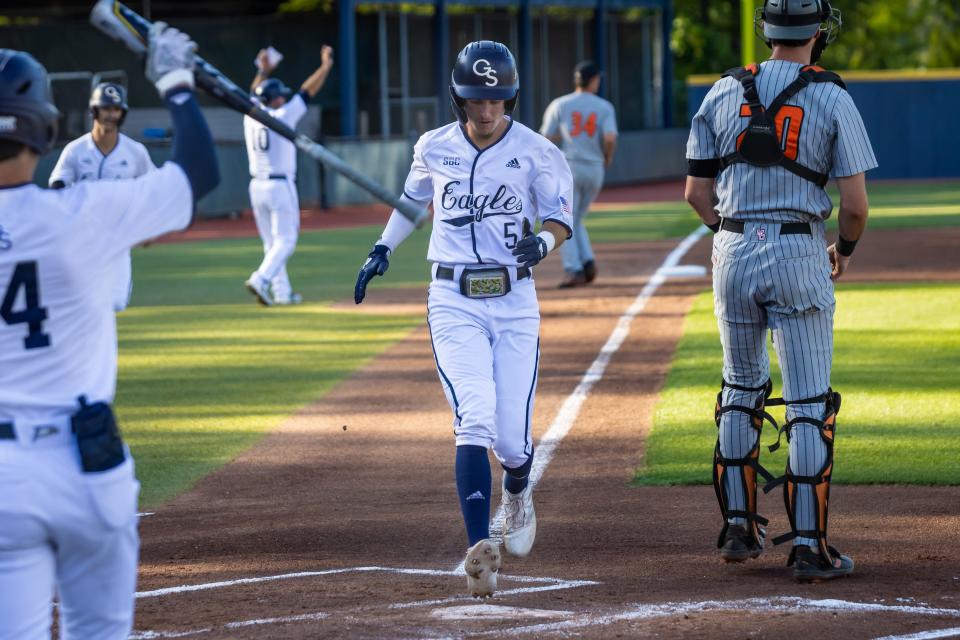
x=131, y=29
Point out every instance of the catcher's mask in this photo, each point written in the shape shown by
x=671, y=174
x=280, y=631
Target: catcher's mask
x=798, y=20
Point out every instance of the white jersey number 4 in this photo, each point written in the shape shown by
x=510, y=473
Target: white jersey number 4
x=25, y=277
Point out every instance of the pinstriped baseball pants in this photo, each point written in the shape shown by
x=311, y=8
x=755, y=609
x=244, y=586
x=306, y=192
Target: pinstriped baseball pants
x=764, y=281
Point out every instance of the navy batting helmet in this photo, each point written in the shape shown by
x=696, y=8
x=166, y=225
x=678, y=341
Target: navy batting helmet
x=798, y=20
x=484, y=70
x=27, y=113
x=109, y=94
x=271, y=88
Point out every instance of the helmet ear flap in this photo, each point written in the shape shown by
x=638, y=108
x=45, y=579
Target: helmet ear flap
x=456, y=102
x=511, y=104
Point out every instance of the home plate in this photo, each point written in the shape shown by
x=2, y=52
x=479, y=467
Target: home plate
x=683, y=270
x=492, y=611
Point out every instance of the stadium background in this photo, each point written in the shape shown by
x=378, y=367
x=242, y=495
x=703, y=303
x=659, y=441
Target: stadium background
x=392, y=66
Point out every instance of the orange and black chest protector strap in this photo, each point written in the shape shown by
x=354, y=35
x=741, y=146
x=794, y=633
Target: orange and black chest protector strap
x=760, y=143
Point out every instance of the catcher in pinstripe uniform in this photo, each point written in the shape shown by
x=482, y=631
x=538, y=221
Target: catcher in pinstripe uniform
x=762, y=147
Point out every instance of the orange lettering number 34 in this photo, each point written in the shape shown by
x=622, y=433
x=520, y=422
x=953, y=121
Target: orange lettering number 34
x=580, y=125
x=789, y=121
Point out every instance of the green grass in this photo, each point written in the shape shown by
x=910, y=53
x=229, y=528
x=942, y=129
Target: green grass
x=199, y=384
x=892, y=206
x=896, y=353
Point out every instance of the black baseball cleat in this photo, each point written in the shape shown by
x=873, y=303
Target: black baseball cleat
x=590, y=271
x=810, y=566
x=739, y=545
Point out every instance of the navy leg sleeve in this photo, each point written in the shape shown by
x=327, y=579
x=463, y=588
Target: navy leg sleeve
x=192, y=143
x=473, y=486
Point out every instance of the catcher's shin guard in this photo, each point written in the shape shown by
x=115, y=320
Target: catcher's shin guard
x=820, y=482
x=749, y=465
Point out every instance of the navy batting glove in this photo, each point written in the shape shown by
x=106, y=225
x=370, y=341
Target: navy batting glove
x=376, y=265
x=530, y=251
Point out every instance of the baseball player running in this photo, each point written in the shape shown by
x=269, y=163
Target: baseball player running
x=490, y=179
x=585, y=127
x=105, y=154
x=68, y=506
x=273, y=175
x=768, y=137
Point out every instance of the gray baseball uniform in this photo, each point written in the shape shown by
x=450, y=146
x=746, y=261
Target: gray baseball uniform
x=580, y=119
x=763, y=278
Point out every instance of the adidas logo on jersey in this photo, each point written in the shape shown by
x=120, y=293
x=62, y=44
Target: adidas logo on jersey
x=513, y=164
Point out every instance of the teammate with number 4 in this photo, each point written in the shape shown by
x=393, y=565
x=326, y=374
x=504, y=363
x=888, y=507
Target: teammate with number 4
x=105, y=154
x=490, y=180
x=585, y=127
x=273, y=176
x=769, y=137
x=68, y=507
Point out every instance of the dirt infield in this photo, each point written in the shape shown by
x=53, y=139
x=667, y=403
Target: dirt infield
x=344, y=522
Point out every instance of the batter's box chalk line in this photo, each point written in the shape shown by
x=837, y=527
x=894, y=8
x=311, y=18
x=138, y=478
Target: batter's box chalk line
x=641, y=612
x=526, y=584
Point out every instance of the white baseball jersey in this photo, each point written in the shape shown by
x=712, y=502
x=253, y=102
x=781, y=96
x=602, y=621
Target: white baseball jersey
x=57, y=326
x=581, y=119
x=82, y=160
x=481, y=198
x=820, y=128
x=269, y=153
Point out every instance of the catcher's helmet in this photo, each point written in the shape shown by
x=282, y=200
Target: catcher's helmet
x=272, y=88
x=484, y=70
x=798, y=20
x=27, y=112
x=109, y=94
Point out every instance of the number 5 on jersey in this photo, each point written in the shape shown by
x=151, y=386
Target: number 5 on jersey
x=25, y=277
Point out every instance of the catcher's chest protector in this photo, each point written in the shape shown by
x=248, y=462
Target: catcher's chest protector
x=760, y=143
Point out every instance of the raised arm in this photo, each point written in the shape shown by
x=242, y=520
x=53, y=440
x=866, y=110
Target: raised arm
x=315, y=82
x=264, y=69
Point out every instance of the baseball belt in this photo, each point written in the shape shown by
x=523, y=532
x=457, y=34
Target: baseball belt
x=7, y=432
x=490, y=282
x=786, y=228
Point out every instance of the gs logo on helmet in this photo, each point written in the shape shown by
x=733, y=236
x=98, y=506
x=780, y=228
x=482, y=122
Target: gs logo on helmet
x=111, y=92
x=486, y=71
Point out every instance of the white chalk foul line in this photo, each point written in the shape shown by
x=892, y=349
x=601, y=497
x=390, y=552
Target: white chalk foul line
x=926, y=635
x=552, y=583
x=754, y=605
x=163, y=635
x=571, y=406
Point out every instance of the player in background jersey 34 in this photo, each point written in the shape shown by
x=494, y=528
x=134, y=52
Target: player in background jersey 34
x=490, y=180
x=765, y=142
x=273, y=176
x=105, y=154
x=68, y=505
x=584, y=125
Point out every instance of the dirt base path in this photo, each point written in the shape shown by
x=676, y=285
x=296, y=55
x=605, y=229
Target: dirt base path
x=344, y=522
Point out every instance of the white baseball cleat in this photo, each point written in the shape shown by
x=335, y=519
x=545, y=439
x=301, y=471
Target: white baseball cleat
x=260, y=288
x=481, y=566
x=519, y=521
x=295, y=298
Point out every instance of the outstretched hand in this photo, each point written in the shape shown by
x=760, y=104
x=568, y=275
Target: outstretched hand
x=376, y=265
